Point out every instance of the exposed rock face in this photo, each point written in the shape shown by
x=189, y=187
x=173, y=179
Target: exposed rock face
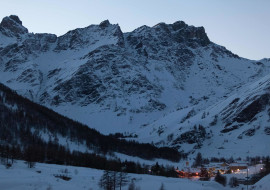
x=253, y=109
x=12, y=26
x=104, y=24
x=93, y=35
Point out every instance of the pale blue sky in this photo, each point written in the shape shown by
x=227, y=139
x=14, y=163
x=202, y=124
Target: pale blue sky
x=243, y=26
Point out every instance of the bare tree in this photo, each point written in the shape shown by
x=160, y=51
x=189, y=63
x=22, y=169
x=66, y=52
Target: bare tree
x=110, y=180
x=122, y=179
x=106, y=181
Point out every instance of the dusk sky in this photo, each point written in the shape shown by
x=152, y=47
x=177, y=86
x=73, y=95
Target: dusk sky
x=242, y=26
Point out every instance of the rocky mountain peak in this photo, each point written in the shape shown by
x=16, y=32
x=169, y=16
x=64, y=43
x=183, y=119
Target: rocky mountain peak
x=184, y=32
x=12, y=26
x=179, y=25
x=16, y=19
x=201, y=34
x=178, y=33
x=105, y=24
x=103, y=34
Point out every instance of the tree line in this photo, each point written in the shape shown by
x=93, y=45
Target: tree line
x=52, y=153
x=21, y=120
x=23, y=125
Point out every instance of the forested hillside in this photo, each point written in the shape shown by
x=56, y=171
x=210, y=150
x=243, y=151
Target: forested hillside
x=31, y=131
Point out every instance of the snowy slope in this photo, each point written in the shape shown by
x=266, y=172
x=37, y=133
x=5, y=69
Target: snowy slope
x=156, y=82
x=237, y=126
x=26, y=124
x=263, y=184
x=19, y=177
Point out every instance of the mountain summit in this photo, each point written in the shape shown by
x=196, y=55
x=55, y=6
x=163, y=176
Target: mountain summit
x=12, y=26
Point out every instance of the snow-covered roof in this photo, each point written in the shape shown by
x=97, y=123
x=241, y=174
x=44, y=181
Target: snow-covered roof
x=238, y=164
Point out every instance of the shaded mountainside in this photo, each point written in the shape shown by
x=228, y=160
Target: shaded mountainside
x=26, y=123
x=237, y=126
x=152, y=83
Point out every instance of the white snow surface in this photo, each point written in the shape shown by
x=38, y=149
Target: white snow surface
x=42, y=177
x=263, y=184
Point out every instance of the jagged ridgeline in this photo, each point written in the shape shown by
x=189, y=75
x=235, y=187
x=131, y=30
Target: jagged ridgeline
x=26, y=123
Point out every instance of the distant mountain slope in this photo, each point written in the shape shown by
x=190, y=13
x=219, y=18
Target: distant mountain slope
x=25, y=123
x=145, y=83
x=237, y=126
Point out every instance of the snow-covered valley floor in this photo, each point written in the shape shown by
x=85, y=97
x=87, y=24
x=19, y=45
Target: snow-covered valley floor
x=42, y=177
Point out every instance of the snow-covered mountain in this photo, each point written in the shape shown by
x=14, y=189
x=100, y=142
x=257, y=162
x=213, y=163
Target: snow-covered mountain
x=155, y=83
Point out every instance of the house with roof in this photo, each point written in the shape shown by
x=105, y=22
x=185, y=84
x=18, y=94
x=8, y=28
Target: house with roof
x=238, y=166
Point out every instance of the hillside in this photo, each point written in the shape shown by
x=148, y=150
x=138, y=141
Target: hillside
x=50, y=136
